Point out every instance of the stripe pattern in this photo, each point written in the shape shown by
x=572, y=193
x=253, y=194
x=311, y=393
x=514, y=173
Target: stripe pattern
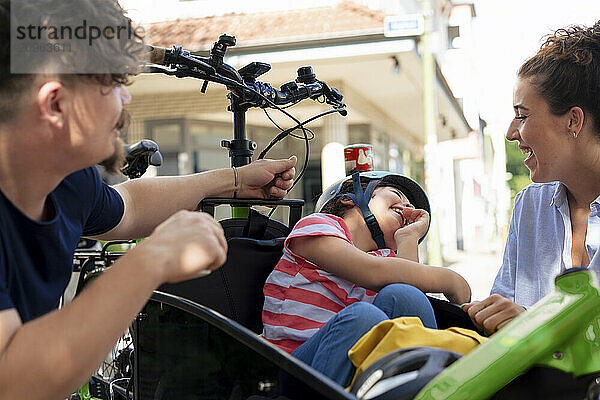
x=299, y=297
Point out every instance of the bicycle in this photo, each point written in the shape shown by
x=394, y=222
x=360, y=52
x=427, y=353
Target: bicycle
x=116, y=371
x=114, y=376
x=553, y=333
x=89, y=261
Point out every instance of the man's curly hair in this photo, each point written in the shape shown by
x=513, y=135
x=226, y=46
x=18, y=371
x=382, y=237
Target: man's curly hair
x=566, y=71
x=121, y=58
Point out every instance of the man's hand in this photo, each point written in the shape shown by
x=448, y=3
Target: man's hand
x=185, y=245
x=416, y=224
x=492, y=313
x=266, y=178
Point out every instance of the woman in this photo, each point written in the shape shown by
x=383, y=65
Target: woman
x=556, y=220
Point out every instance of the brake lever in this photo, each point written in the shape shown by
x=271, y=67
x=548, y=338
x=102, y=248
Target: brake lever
x=334, y=98
x=197, y=62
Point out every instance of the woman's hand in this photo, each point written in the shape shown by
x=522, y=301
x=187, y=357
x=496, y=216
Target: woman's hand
x=266, y=178
x=492, y=313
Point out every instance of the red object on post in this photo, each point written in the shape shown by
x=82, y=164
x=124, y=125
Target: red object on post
x=358, y=157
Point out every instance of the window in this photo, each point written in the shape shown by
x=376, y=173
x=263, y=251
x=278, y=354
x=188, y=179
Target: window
x=169, y=135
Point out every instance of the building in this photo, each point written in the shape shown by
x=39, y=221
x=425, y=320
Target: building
x=349, y=46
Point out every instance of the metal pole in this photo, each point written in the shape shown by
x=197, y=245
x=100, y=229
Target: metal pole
x=434, y=250
x=241, y=148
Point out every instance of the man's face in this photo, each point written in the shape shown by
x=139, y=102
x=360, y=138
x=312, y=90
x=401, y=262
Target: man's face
x=95, y=120
x=114, y=163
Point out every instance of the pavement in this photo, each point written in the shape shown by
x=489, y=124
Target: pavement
x=479, y=268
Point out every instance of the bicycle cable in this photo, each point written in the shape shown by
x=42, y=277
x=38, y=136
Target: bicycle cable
x=306, y=159
x=281, y=129
x=287, y=131
x=283, y=134
x=228, y=82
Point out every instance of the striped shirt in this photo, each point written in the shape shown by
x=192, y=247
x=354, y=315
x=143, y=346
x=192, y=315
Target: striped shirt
x=299, y=297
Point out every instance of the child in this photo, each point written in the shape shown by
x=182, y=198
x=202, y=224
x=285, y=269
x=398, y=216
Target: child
x=328, y=290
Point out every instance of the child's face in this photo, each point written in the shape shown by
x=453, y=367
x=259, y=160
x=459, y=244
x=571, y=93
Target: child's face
x=387, y=204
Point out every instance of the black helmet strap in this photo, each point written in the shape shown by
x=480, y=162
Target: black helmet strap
x=362, y=202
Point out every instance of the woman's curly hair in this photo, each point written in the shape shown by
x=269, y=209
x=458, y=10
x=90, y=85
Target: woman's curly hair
x=566, y=71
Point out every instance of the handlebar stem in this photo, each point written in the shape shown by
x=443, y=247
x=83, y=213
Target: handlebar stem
x=240, y=148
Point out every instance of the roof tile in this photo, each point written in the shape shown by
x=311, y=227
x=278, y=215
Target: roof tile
x=344, y=19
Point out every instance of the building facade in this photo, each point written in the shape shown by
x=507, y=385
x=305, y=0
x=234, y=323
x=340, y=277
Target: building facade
x=381, y=76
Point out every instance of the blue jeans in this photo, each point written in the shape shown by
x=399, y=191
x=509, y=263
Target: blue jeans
x=327, y=350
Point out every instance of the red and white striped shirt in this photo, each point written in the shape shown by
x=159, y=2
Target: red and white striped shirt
x=299, y=297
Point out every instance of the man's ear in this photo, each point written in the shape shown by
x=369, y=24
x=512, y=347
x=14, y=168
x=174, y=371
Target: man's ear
x=50, y=103
x=576, y=119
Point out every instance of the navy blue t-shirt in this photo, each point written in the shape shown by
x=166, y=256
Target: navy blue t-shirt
x=36, y=258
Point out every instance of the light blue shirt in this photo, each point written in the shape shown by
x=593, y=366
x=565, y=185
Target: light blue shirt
x=539, y=243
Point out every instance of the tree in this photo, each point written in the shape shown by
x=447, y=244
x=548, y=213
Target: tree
x=518, y=170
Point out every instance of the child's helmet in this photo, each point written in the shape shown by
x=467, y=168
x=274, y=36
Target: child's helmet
x=402, y=373
x=411, y=189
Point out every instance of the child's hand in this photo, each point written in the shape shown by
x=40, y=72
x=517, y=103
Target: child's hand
x=458, y=291
x=416, y=224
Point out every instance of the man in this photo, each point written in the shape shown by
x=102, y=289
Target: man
x=53, y=128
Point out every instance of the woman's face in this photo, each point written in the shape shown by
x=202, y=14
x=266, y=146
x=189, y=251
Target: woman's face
x=540, y=133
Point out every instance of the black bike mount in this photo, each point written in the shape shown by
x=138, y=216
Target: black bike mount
x=240, y=151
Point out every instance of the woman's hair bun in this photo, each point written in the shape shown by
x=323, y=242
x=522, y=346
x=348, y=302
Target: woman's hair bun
x=578, y=44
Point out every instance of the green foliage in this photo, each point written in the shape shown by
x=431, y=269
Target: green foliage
x=514, y=165
x=517, y=183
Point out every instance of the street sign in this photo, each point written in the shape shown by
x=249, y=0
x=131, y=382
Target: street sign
x=403, y=25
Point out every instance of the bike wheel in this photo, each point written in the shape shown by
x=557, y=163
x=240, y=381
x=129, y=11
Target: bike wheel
x=119, y=362
x=114, y=378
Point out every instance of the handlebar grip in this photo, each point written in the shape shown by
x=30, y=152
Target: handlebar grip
x=156, y=159
x=139, y=156
x=142, y=147
x=157, y=55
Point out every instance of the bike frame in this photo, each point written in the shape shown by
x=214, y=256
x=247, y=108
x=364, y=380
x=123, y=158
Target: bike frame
x=561, y=331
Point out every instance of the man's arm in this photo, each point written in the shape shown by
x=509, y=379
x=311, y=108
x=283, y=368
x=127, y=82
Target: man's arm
x=49, y=357
x=150, y=201
x=341, y=258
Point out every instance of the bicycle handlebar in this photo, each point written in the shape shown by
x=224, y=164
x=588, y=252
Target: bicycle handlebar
x=177, y=56
x=242, y=83
x=291, y=92
x=245, y=91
